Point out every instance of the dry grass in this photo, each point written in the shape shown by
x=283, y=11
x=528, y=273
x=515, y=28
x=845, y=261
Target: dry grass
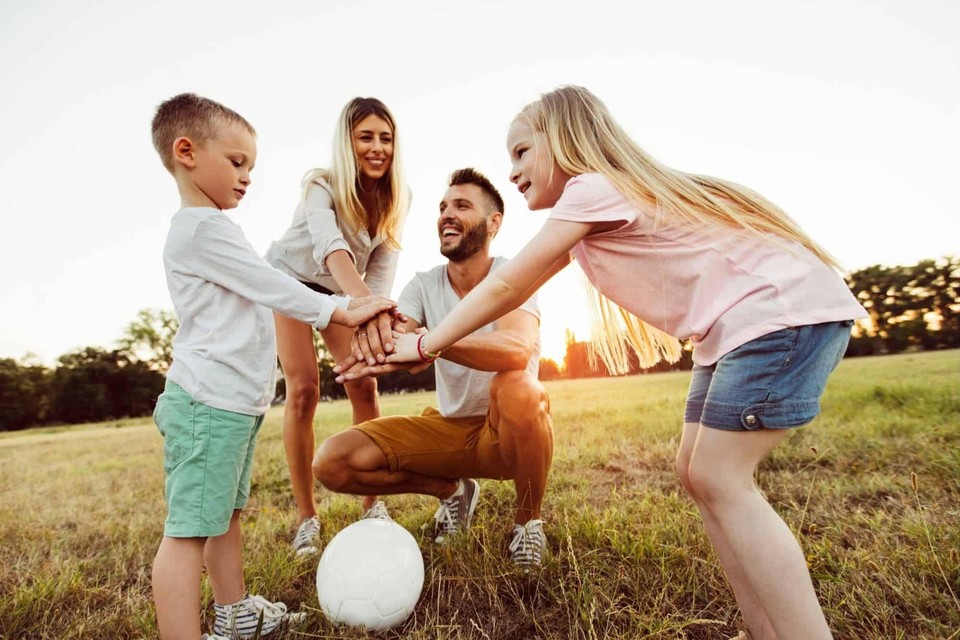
x=873, y=488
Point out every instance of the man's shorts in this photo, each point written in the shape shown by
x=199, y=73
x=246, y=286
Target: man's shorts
x=207, y=459
x=432, y=445
x=772, y=382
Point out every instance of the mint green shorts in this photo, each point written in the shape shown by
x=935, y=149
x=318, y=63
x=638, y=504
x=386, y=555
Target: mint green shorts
x=207, y=458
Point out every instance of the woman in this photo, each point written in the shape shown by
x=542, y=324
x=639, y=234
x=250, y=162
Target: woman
x=344, y=238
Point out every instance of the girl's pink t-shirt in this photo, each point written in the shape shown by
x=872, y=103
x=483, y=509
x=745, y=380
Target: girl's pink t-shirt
x=719, y=288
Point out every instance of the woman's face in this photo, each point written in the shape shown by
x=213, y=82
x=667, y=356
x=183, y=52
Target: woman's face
x=533, y=169
x=373, y=146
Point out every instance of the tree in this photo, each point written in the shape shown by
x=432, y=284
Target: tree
x=549, y=370
x=23, y=393
x=149, y=338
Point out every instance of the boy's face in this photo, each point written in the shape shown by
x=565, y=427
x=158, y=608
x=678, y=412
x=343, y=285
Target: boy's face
x=217, y=173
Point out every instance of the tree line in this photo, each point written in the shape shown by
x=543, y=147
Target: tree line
x=914, y=307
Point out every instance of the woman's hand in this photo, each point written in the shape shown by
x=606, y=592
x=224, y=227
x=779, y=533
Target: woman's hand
x=373, y=341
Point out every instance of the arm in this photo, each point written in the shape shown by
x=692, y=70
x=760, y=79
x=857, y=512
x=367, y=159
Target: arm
x=219, y=253
x=381, y=270
x=507, y=348
x=503, y=290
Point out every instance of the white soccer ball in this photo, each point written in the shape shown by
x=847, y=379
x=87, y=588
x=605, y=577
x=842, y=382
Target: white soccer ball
x=370, y=575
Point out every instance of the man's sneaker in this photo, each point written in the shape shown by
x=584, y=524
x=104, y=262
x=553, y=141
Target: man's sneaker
x=377, y=512
x=240, y=620
x=308, y=536
x=528, y=545
x=455, y=513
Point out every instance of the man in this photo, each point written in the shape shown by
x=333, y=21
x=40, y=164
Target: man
x=494, y=415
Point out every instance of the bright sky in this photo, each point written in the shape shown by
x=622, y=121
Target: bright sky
x=844, y=112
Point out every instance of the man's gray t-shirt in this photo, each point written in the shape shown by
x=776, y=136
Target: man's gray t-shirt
x=461, y=391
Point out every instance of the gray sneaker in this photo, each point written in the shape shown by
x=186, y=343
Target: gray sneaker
x=528, y=545
x=454, y=514
x=307, y=538
x=242, y=619
x=377, y=512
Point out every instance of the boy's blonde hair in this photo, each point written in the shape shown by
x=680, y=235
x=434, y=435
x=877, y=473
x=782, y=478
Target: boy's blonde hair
x=192, y=116
x=583, y=137
x=344, y=177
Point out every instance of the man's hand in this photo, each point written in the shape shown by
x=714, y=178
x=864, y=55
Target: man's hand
x=363, y=370
x=361, y=309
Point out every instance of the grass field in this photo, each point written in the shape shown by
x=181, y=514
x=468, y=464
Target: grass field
x=872, y=488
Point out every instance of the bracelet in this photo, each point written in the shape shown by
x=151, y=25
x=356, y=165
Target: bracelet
x=425, y=355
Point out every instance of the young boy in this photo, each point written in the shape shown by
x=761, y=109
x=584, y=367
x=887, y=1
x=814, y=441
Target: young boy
x=222, y=377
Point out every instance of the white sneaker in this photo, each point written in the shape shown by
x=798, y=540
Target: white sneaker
x=528, y=545
x=377, y=512
x=307, y=539
x=240, y=620
x=455, y=513
x=207, y=636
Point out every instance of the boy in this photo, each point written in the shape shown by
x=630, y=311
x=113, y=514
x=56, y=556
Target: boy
x=222, y=377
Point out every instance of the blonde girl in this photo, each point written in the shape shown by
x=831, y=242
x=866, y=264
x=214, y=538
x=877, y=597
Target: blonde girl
x=675, y=255
x=344, y=238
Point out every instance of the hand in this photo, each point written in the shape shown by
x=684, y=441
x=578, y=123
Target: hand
x=370, y=342
x=405, y=347
x=361, y=370
x=361, y=309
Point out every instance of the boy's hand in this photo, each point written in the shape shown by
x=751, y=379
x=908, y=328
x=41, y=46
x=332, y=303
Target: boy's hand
x=361, y=309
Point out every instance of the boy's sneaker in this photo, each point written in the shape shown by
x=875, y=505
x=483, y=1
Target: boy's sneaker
x=306, y=541
x=456, y=512
x=377, y=512
x=240, y=620
x=528, y=545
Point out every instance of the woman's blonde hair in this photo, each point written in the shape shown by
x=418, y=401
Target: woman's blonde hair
x=343, y=176
x=582, y=137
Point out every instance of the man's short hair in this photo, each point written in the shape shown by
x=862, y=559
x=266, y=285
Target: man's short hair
x=192, y=116
x=470, y=175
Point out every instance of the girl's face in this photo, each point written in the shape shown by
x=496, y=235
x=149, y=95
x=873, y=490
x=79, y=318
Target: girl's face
x=373, y=146
x=534, y=171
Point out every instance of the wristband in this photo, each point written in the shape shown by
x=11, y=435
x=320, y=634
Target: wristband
x=425, y=355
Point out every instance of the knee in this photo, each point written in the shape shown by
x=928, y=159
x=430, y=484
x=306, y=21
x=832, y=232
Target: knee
x=330, y=466
x=302, y=396
x=708, y=484
x=521, y=400
x=363, y=391
x=683, y=472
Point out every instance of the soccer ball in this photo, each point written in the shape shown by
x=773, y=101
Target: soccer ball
x=370, y=575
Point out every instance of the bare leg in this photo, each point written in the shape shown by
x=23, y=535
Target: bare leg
x=299, y=362
x=350, y=462
x=362, y=393
x=520, y=411
x=176, y=587
x=750, y=608
x=224, y=558
x=721, y=475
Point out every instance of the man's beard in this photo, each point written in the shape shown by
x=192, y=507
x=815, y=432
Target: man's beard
x=473, y=240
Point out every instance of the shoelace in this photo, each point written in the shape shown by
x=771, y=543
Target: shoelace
x=527, y=544
x=447, y=514
x=306, y=533
x=270, y=609
x=377, y=512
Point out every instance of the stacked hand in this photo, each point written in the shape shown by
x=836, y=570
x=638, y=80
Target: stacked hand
x=362, y=309
x=404, y=356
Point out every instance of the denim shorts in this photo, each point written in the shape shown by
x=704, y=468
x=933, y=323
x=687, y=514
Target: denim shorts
x=772, y=382
x=207, y=460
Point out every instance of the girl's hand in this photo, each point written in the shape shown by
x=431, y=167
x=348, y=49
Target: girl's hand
x=405, y=347
x=361, y=309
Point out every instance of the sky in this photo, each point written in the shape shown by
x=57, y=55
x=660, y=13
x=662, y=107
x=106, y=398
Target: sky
x=846, y=113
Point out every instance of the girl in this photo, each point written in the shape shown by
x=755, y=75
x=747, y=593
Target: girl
x=675, y=255
x=344, y=238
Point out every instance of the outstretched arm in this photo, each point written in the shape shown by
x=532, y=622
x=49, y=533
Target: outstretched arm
x=502, y=291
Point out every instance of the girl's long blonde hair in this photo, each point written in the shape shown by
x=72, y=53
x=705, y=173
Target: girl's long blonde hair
x=583, y=137
x=343, y=176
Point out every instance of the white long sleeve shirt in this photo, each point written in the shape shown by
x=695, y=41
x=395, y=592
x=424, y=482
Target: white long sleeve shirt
x=315, y=233
x=224, y=353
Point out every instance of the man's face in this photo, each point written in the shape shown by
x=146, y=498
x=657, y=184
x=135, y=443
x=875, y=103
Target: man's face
x=463, y=222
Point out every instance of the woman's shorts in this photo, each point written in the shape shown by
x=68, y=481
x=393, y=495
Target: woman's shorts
x=772, y=382
x=207, y=460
